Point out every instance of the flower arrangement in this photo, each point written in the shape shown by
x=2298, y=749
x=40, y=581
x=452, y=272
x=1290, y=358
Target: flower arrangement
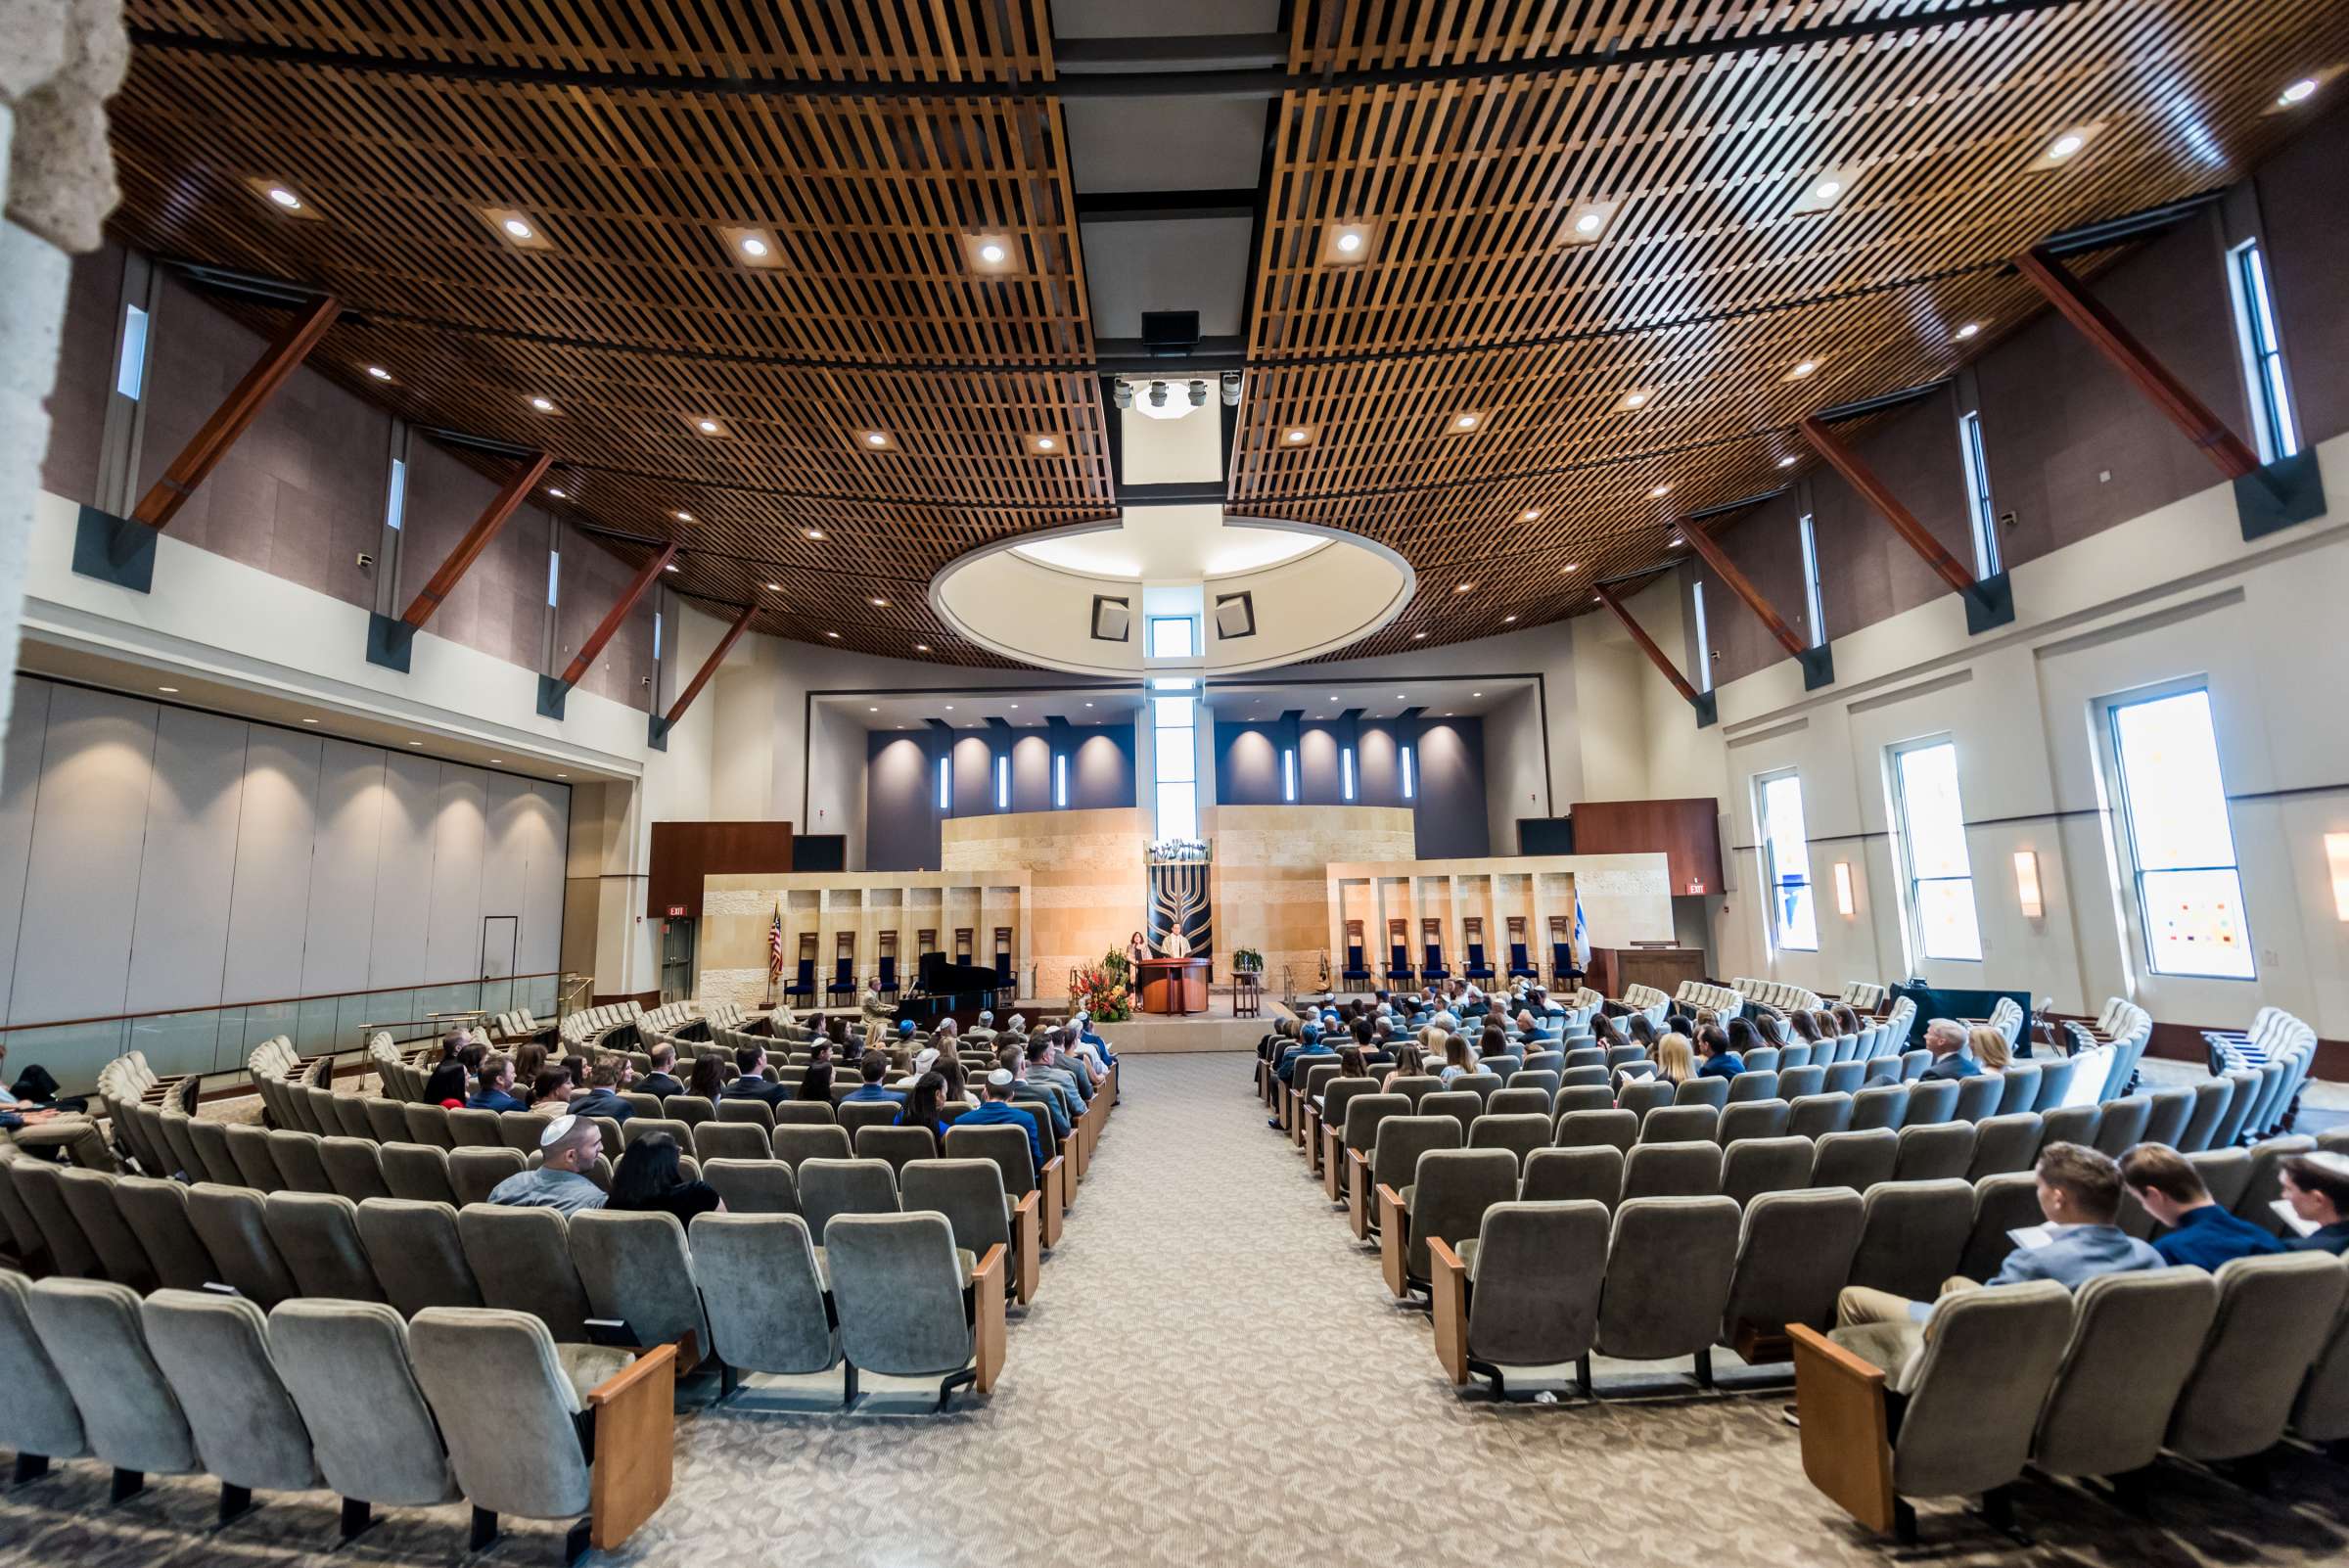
x=1103, y=990
x=1247, y=961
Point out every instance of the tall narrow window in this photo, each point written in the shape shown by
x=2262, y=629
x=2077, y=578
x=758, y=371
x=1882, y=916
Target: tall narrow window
x=1002, y=781
x=1933, y=856
x=2173, y=803
x=1173, y=637
x=1411, y=775
x=1704, y=645
x=1288, y=775
x=1977, y=496
x=946, y=784
x=1060, y=781
x=1812, y=606
x=553, y=574
x=396, y=503
x=1787, y=860
x=2263, y=353
x=1346, y=772
x=130, y=376
x=1174, y=764
x=656, y=636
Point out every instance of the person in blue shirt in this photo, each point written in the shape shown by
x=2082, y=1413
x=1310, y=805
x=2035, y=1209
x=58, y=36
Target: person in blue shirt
x=2317, y=1187
x=996, y=1110
x=2200, y=1232
x=874, y=1067
x=1013, y=1059
x=1713, y=1043
x=495, y=1091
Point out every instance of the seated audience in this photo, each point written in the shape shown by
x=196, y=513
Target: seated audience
x=530, y=1060
x=1847, y=1022
x=996, y=1110
x=606, y=1083
x=1989, y=1047
x=1637, y=1031
x=1946, y=1039
x=708, y=1077
x=2317, y=1187
x=816, y=1082
x=2200, y=1232
x=661, y=1081
x=873, y=1069
x=1456, y=1059
x=1743, y=1037
x=494, y=1090
x=1719, y=1060
x=650, y=1175
x=1410, y=1062
x=949, y=1068
x=551, y=1092
x=1013, y=1059
x=924, y=1106
x=569, y=1145
x=1805, y=1027
x=1605, y=1035
x=750, y=1082
x=2080, y=1194
x=446, y=1087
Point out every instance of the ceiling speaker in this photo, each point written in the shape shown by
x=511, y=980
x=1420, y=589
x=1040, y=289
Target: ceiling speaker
x=1235, y=616
x=1113, y=619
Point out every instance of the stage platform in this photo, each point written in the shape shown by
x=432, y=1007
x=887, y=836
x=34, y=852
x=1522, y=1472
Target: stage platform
x=1215, y=1030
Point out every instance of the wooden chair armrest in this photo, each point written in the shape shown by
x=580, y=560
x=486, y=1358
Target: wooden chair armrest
x=1026, y=1238
x=635, y=1430
x=1392, y=1241
x=1357, y=1194
x=1334, y=1161
x=986, y=1305
x=1447, y=1279
x=1048, y=1182
x=1846, y=1451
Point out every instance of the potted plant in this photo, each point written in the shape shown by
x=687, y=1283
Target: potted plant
x=1248, y=961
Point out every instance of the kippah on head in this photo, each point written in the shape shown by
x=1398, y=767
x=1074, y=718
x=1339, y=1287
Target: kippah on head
x=557, y=1131
x=905, y=1026
x=1000, y=1077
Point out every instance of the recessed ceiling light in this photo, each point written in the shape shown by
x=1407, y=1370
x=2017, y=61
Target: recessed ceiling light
x=774, y=587
x=2066, y=144
x=517, y=229
x=1586, y=223
x=1298, y=436
x=1635, y=398
x=285, y=198
x=923, y=647
x=2298, y=92
x=878, y=604
x=1015, y=705
x=1089, y=705
x=1678, y=542
x=560, y=495
x=1827, y=190
x=752, y=246
x=172, y=689
x=989, y=252
x=832, y=634
x=682, y=517
x=1399, y=697
x=1967, y=330
x=415, y=743
x=1506, y=619
x=813, y=533
x=497, y=759
x=1802, y=368
x=1347, y=243
x=707, y=427
x=1571, y=566
x=2065, y=147
x=1824, y=190
x=993, y=254
x=313, y=722
x=562, y=775
x=1476, y=694
x=379, y=373
x=671, y=567
x=949, y=708
x=544, y=406
x=1461, y=423
x=872, y=710
x=1350, y=240
x=874, y=439
x=1462, y=588
x=1787, y=461
x=1532, y=514
x=1659, y=493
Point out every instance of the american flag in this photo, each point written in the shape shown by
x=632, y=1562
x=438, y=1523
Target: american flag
x=775, y=944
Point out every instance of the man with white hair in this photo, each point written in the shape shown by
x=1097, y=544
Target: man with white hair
x=983, y=1031
x=1946, y=1039
x=569, y=1145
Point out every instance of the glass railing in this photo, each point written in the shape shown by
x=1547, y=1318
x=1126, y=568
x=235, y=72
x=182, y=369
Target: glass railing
x=219, y=1039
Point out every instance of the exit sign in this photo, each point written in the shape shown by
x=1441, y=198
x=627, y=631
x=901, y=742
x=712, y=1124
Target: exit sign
x=675, y=910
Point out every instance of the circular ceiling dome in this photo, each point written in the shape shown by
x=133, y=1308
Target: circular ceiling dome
x=1257, y=592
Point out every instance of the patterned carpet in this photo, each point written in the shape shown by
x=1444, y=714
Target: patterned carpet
x=1213, y=1373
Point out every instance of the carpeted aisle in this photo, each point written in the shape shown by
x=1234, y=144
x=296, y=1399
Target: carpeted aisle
x=1213, y=1375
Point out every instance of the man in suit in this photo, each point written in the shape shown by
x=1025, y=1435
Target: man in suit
x=1946, y=1042
x=1013, y=1059
x=495, y=1091
x=750, y=1062
x=2200, y=1232
x=2079, y=1193
x=996, y=1110
x=873, y=1069
x=2316, y=1186
x=1713, y=1042
x=661, y=1082
x=605, y=1082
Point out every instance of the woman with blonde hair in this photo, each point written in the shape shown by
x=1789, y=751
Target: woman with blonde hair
x=1989, y=1047
x=1456, y=1060
x=1676, y=1062
x=1410, y=1062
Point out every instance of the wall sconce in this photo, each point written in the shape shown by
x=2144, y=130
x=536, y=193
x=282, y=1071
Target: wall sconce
x=2336, y=857
x=2026, y=883
x=1843, y=888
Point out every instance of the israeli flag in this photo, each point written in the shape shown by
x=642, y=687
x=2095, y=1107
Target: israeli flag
x=1581, y=935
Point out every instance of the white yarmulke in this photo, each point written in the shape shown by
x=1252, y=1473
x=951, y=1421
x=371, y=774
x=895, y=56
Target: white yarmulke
x=1000, y=1077
x=557, y=1131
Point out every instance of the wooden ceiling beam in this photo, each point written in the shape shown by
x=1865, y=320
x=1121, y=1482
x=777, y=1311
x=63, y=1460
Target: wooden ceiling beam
x=662, y=724
x=554, y=689
x=1819, y=664
x=486, y=528
x=1988, y=603
x=1701, y=700
x=236, y=414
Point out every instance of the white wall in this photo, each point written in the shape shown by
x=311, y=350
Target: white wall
x=2173, y=595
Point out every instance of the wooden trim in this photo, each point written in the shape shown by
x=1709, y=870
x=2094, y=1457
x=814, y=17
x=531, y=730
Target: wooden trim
x=236, y=414
x=718, y=656
x=1357, y=1194
x=986, y=1333
x=1738, y=584
x=1647, y=645
x=1871, y=489
x=1447, y=1279
x=2227, y=450
x=1025, y=1247
x=635, y=1440
x=1048, y=1182
x=1393, y=1225
x=1846, y=1451
x=501, y=507
x=1334, y=1161
x=646, y=575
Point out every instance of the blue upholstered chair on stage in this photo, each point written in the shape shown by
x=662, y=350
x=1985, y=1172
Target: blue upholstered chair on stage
x=1435, y=969
x=844, y=980
x=1521, y=966
x=1477, y=968
x=1357, y=973
x=1399, y=964
x=1006, y=987
x=887, y=984
x=803, y=985
x=1563, y=970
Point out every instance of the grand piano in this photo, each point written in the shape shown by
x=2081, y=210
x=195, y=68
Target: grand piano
x=945, y=988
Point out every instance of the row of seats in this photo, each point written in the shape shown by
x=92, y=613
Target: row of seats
x=463, y=1402
x=1694, y=995
x=1777, y=996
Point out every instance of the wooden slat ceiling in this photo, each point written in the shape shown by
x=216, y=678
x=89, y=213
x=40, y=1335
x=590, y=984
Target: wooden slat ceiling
x=681, y=119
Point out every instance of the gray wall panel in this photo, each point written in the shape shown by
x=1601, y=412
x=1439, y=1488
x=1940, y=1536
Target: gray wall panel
x=403, y=880
x=179, y=932
x=269, y=905
x=19, y=782
x=543, y=826
x=343, y=868
x=82, y=879
x=452, y=944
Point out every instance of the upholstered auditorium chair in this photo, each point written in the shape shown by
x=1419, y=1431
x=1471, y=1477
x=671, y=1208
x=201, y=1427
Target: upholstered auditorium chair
x=317, y=1234
x=1669, y=1265
x=1582, y=1097
x=792, y=1145
x=1755, y=1118
x=1672, y=1170
x=353, y=1168
x=1679, y=1123
x=475, y=1170
x=1644, y=1095
x=1934, y=1152
x=798, y=1113
x=1972, y=1395
x=896, y=1146
x=1978, y=1097
x=2123, y=1124
x=970, y=1194
x=1814, y=1116
x=1856, y=1160
x=642, y=1127
x=1447, y=1196
x=129, y=1418
x=38, y=1420
x=89, y=1197
x=300, y=1166
x=2275, y=1316
x=1393, y=1163
x=1794, y=1252
x=764, y=1295
x=2019, y=1088
x=1520, y=1298
x=638, y=1273
x=2002, y=1203
x=1591, y=1174
x=2135, y=1337
x=2004, y=1143
x=1800, y=1080
x=1460, y=1105
x=754, y=1187
x=233, y=1224
x=1518, y=1134
x=544, y=1431
x=1577, y=1129
x=1914, y=1236
x=829, y=1188
x=741, y=1109
x=157, y=1212
x=521, y=1257
x=214, y=1351
x=417, y=1254
x=1353, y=1134
x=418, y=1172
x=1751, y=1167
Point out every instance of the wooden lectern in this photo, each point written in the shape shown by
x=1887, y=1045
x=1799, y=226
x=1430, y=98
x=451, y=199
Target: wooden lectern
x=1175, y=985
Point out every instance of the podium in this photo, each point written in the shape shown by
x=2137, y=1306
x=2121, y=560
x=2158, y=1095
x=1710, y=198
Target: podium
x=1173, y=985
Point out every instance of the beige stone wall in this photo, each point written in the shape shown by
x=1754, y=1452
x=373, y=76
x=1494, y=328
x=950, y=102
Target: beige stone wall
x=1271, y=878
x=737, y=911
x=1084, y=873
x=1625, y=897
